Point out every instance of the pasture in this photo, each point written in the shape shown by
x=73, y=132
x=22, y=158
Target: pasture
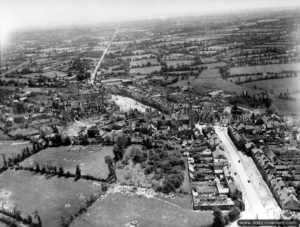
x=91, y=159
x=52, y=197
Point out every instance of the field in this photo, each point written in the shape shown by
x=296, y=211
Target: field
x=210, y=80
x=51, y=74
x=175, y=63
x=215, y=65
x=277, y=86
x=52, y=198
x=136, y=57
x=144, y=62
x=12, y=147
x=89, y=158
x=265, y=68
x=118, y=209
x=145, y=70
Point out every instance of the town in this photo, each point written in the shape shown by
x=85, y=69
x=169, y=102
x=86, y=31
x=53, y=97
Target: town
x=176, y=122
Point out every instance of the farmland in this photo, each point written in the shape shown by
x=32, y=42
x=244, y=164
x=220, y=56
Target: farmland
x=89, y=158
x=53, y=198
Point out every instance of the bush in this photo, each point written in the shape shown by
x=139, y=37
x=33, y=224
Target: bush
x=234, y=214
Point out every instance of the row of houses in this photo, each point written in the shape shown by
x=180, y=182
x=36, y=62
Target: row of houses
x=285, y=196
x=209, y=185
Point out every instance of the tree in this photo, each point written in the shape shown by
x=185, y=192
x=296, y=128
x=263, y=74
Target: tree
x=234, y=214
x=109, y=161
x=118, y=152
x=60, y=171
x=78, y=172
x=29, y=219
x=4, y=161
x=218, y=218
x=37, y=167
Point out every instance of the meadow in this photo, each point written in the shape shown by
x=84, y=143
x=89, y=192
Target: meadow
x=51, y=197
x=91, y=159
x=118, y=209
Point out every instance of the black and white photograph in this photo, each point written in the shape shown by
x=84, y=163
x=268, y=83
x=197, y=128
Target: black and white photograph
x=149, y=113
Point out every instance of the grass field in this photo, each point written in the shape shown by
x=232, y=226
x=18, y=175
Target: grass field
x=211, y=80
x=12, y=147
x=277, y=86
x=265, y=68
x=175, y=63
x=117, y=209
x=52, y=198
x=51, y=74
x=143, y=62
x=89, y=158
x=145, y=70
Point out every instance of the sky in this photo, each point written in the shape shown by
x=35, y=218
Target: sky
x=20, y=14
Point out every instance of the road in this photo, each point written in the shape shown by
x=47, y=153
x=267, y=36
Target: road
x=102, y=57
x=15, y=68
x=254, y=206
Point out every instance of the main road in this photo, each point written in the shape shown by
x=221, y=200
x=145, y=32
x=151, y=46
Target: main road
x=102, y=57
x=254, y=207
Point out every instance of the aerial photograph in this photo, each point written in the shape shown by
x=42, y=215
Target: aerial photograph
x=149, y=113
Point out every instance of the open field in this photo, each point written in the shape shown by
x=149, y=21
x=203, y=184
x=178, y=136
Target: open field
x=12, y=147
x=118, y=209
x=176, y=63
x=89, y=158
x=215, y=65
x=211, y=79
x=144, y=62
x=52, y=198
x=265, y=68
x=145, y=70
x=277, y=86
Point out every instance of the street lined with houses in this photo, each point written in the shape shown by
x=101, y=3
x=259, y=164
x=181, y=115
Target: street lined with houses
x=254, y=207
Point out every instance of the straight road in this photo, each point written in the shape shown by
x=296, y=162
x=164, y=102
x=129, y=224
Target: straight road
x=102, y=57
x=15, y=68
x=256, y=208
